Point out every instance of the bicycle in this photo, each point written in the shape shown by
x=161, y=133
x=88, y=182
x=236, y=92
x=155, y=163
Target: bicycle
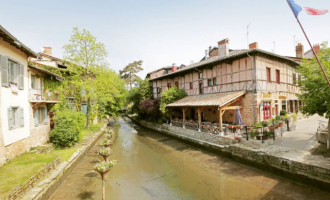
x=321, y=126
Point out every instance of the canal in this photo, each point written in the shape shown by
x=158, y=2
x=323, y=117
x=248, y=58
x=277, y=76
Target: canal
x=154, y=166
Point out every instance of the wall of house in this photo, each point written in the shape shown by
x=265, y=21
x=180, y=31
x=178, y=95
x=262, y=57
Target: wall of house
x=13, y=142
x=229, y=77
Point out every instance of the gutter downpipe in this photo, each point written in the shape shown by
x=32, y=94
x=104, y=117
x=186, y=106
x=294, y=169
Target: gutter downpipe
x=254, y=87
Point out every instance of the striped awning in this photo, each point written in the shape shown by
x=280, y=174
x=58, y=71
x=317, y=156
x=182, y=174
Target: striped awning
x=208, y=100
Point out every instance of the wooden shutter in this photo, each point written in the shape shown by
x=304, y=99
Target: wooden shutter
x=294, y=79
x=33, y=81
x=36, y=117
x=278, y=76
x=21, y=76
x=4, y=71
x=46, y=116
x=21, y=116
x=10, y=118
x=41, y=87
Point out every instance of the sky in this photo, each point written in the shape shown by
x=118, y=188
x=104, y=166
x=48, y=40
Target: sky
x=163, y=32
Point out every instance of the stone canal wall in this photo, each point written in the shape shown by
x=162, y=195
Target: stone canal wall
x=313, y=171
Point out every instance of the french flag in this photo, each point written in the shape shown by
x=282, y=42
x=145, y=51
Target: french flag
x=311, y=11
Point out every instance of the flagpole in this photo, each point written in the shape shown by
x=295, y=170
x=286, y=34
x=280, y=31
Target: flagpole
x=326, y=77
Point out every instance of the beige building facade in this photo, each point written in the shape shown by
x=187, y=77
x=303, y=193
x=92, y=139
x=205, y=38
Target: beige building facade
x=270, y=82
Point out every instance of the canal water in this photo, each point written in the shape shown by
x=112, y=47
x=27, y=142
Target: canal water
x=154, y=166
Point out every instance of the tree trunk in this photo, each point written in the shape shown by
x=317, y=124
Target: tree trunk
x=88, y=113
x=328, y=140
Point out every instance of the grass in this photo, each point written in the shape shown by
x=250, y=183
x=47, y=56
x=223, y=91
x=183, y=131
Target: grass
x=19, y=170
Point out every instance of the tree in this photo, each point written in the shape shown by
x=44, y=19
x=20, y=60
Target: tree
x=145, y=90
x=315, y=91
x=84, y=54
x=128, y=74
x=170, y=96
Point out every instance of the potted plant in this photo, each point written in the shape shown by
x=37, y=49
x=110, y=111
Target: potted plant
x=271, y=133
x=103, y=168
x=105, y=153
x=252, y=134
x=265, y=135
x=106, y=142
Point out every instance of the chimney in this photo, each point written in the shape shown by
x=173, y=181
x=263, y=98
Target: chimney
x=316, y=48
x=174, y=68
x=47, y=50
x=210, y=49
x=300, y=50
x=223, y=49
x=253, y=45
x=206, y=55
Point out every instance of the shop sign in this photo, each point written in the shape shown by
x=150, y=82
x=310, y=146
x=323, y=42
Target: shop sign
x=282, y=97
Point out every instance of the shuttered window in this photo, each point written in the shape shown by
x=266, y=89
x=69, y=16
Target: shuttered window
x=278, y=76
x=33, y=81
x=214, y=81
x=169, y=85
x=177, y=84
x=209, y=82
x=191, y=85
x=11, y=72
x=268, y=75
x=15, y=117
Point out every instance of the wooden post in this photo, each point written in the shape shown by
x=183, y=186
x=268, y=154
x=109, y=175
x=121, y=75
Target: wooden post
x=170, y=116
x=200, y=110
x=221, y=112
x=184, y=117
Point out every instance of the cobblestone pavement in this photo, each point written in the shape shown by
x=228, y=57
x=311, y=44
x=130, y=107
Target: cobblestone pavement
x=303, y=138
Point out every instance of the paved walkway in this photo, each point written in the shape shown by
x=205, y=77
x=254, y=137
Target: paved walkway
x=303, y=138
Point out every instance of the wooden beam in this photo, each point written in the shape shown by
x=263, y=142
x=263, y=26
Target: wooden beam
x=170, y=116
x=184, y=109
x=231, y=107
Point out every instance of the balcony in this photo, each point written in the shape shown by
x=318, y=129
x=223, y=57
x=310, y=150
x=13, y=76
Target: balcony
x=47, y=96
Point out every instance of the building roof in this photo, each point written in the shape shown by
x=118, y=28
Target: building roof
x=49, y=56
x=208, y=100
x=15, y=42
x=233, y=55
x=49, y=73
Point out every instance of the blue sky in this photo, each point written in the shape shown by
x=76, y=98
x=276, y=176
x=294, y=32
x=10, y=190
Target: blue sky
x=162, y=32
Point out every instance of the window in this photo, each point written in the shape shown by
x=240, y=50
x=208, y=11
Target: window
x=84, y=108
x=33, y=81
x=191, y=85
x=214, y=81
x=278, y=76
x=209, y=82
x=266, y=110
x=201, y=88
x=12, y=72
x=41, y=116
x=299, y=77
x=294, y=78
x=15, y=117
x=159, y=91
x=268, y=75
x=200, y=75
x=169, y=85
x=177, y=84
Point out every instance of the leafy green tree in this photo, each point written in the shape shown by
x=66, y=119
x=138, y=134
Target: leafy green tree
x=85, y=55
x=315, y=91
x=133, y=97
x=128, y=74
x=145, y=90
x=170, y=96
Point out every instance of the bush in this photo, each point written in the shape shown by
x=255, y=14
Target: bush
x=170, y=96
x=283, y=112
x=68, y=125
x=150, y=108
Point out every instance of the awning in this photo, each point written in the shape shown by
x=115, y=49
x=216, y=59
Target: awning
x=208, y=100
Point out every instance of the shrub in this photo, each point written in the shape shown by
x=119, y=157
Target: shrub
x=68, y=125
x=283, y=112
x=170, y=96
x=150, y=108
